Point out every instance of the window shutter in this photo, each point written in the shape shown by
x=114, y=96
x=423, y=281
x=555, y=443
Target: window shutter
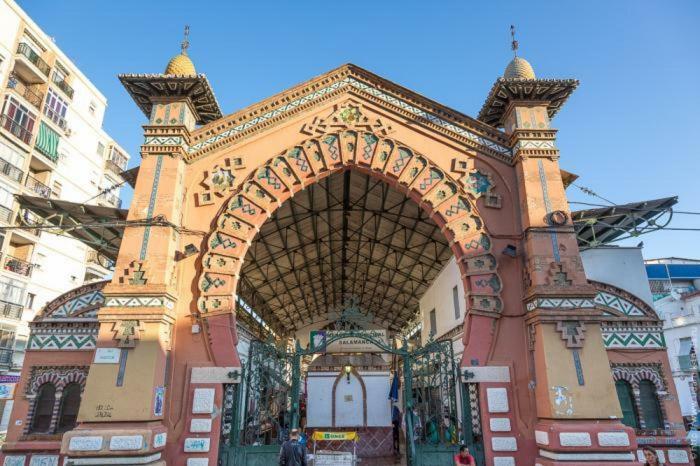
x=43, y=411
x=651, y=409
x=629, y=411
x=70, y=403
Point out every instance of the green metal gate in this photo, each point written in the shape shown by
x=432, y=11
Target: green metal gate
x=259, y=412
x=263, y=408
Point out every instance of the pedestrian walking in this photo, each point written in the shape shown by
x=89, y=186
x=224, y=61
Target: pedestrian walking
x=292, y=452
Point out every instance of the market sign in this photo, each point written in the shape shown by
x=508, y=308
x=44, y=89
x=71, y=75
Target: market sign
x=321, y=341
x=335, y=436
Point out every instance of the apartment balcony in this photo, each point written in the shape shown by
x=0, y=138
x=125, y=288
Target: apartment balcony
x=18, y=266
x=55, y=118
x=28, y=222
x=10, y=171
x=110, y=200
x=5, y=214
x=114, y=167
x=37, y=187
x=6, y=357
x=17, y=130
x=29, y=65
x=11, y=310
x=62, y=85
x=97, y=267
x=24, y=91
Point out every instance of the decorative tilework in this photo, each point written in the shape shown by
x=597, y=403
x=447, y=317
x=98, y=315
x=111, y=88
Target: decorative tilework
x=548, y=208
x=560, y=303
x=151, y=207
x=163, y=141
x=348, y=81
x=61, y=342
x=618, y=303
x=139, y=301
x=633, y=337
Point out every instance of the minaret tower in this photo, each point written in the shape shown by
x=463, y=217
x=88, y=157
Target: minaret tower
x=123, y=406
x=573, y=386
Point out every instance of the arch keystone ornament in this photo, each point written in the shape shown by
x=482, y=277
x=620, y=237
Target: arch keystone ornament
x=157, y=348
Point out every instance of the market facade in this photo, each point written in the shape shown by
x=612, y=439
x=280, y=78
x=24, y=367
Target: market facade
x=330, y=208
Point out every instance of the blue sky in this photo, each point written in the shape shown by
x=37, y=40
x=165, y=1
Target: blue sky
x=629, y=131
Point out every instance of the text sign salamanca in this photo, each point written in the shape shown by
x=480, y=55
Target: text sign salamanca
x=324, y=341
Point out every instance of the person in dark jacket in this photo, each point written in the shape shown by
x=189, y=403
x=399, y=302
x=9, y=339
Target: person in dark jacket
x=292, y=452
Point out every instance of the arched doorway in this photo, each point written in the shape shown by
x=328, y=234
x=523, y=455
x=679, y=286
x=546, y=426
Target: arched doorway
x=377, y=232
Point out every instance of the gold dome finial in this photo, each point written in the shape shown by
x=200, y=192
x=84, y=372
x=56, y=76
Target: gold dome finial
x=518, y=68
x=181, y=63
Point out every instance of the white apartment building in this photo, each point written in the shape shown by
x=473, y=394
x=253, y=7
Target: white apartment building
x=52, y=145
x=675, y=284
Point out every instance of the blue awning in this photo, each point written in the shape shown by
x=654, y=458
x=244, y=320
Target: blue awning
x=673, y=271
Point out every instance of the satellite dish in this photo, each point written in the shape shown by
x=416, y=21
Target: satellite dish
x=675, y=295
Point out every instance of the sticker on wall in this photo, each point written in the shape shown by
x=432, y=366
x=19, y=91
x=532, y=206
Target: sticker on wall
x=7, y=391
x=159, y=401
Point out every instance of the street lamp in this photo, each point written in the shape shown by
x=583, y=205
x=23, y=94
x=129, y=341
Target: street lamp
x=348, y=369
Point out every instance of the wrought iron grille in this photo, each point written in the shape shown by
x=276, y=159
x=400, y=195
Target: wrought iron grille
x=269, y=395
x=435, y=414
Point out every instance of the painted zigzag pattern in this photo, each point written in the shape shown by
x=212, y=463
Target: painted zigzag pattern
x=61, y=342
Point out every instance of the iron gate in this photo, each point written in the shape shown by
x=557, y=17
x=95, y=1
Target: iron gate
x=262, y=409
x=259, y=412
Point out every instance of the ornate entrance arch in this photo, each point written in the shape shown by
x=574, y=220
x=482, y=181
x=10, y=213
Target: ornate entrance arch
x=449, y=202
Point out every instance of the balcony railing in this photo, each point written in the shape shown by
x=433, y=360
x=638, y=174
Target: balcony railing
x=110, y=199
x=20, y=132
x=62, y=84
x=38, y=187
x=18, y=266
x=29, y=222
x=93, y=257
x=55, y=117
x=34, y=58
x=11, y=171
x=11, y=310
x=5, y=214
x=114, y=167
x=6, y=356
x=34, y=98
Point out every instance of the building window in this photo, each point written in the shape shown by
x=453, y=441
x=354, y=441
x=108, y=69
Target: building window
x=56, y=108
x=43, y=408
x=455, y=301
x=626, y=397
x=433, y=322
x=18, y=120
x=30, y=300
x=118, y=159
x=650, y=406
x=92, y=108
x=57, y=188
x=684, y=351
x=100, y=149
x=70, y=403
